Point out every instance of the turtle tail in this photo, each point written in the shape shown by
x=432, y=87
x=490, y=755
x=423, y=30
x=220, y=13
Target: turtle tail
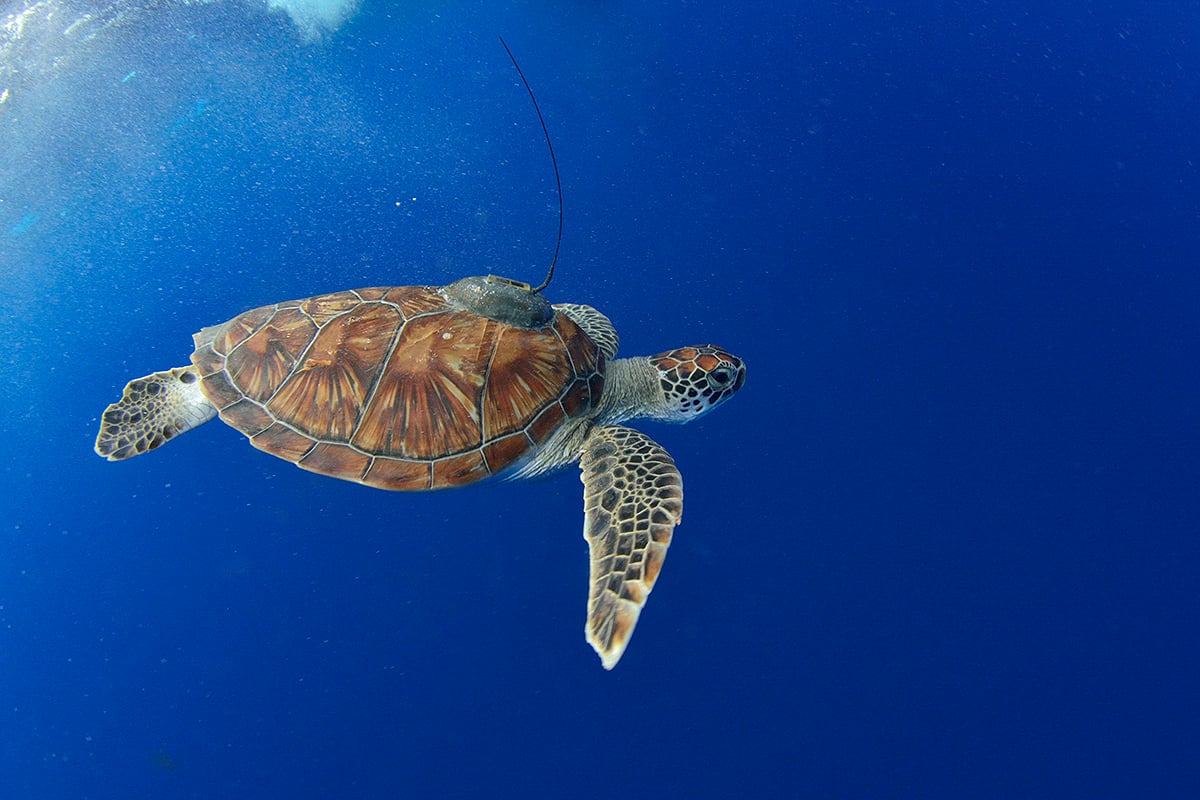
x=153, y=410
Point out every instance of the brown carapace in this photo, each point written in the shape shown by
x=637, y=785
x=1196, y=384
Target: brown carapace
x=395, y=387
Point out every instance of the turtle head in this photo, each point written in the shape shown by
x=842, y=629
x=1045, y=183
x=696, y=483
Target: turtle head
x=695, y=380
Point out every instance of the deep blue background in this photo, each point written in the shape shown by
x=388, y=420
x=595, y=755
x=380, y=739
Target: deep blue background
x=943, y=544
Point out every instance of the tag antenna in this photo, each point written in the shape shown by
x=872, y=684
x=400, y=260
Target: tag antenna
x=553, y=161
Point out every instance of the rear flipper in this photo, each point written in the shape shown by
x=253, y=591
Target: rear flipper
x=153, y=410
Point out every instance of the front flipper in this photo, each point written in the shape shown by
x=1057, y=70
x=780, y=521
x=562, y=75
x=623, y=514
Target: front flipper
x=632, y=501
x=153, y=410
x=598, y=327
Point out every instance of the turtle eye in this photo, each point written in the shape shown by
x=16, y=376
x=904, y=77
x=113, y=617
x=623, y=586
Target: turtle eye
x=720, y=377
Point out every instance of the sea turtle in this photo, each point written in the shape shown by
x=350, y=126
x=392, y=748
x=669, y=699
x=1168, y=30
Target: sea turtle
x=414, y=388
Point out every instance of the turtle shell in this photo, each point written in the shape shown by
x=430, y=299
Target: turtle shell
x=396, y=387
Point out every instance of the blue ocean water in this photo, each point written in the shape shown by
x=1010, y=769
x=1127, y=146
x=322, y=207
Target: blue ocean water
x=942, y=544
